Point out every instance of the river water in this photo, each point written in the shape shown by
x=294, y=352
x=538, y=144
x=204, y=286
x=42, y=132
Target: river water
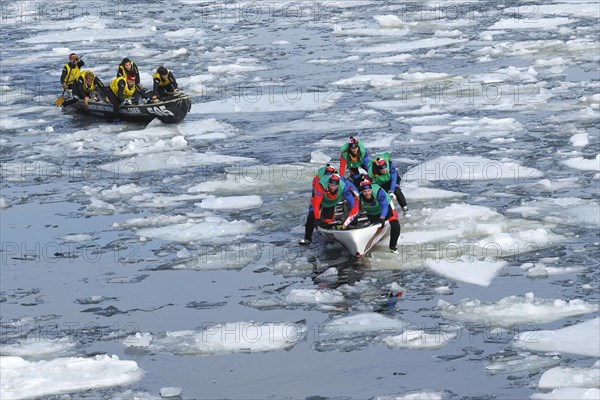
x=489, y=110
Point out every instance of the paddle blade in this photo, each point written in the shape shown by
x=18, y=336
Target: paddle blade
x=59, y=101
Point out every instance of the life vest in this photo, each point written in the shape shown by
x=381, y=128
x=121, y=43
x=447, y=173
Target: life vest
x=85, y=86
x=331, y=199
x=374, y=208
x=162, y=83
x=322, y=177
x=72, y=73
x=122, y=72
x=353, y=162
x=128, y=92
x=383, y=178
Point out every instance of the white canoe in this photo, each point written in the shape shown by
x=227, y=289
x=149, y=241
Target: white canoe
x=356, y=240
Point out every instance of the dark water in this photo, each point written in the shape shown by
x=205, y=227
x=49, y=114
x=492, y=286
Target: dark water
x=51, y=188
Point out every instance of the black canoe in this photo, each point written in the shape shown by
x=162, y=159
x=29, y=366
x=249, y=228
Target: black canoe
x=170, y=111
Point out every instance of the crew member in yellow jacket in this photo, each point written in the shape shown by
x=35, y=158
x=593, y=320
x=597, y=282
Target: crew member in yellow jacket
x=71, y=71
x=124, y=91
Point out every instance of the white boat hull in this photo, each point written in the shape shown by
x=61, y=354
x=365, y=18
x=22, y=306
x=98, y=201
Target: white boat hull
x=357, y=241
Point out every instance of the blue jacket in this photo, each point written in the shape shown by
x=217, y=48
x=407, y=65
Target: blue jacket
x=382, y=199
x=393, y=176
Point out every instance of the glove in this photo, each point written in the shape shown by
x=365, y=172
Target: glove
x=405, y=213
x=325, y=225
x=346, y=223
x=126, y=102
x=176, y=91
x=382, y=220
x=64, y=86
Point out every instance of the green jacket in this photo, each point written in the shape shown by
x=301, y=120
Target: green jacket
x=381, y=203
x=384, y=178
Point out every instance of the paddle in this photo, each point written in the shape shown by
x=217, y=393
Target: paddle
x=61, y=99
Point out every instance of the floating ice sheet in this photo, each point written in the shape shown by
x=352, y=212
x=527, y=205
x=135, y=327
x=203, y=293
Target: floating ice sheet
x=514, y=310
x=232, y=202
x=582, y=338
x=26, y=379
x=207, y=229
x=234, y=337
x=465, y=168
x=467, y=269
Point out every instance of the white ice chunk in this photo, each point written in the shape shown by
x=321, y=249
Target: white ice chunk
x=517, y=364
x=170, y=160
x=38, y=348
x=232, y=203
x=363, y=323
x=27, y=379
x=584, y=164
x=233, y=337
x=514, y=310
x=467, y=269
x=464, y=168
x=210, y=228
x=405, y=46
x=580, y=139
x=170, y=391
x=531, y=23
x=314, y=296
x=568, y=393
x=582, y=338
x=415, y=395
x=561, y=377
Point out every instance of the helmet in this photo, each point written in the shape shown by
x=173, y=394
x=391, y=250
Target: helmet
x=72, y=56
x=334, y=179
x=365, y=184
x=381, y=163
x=131, y=77
x=329, y=169
x=162, y=70
x=353, y=143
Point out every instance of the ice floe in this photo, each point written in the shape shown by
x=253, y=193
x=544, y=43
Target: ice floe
x=514, y=310
x=582, y=338
x=20, y=378
x=233, y=337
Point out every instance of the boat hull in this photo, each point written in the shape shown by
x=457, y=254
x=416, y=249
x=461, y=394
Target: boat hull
x=357, y=241
x=170, y=111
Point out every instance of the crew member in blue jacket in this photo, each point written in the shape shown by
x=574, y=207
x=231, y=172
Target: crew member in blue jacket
x=377, y=203
x=383, y=172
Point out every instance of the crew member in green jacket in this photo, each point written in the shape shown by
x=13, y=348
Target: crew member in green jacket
x=378, y=206
x=382, y=172
x=353, y=155
x=329, y=188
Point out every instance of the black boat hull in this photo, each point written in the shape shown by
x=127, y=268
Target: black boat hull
x=170, y=111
